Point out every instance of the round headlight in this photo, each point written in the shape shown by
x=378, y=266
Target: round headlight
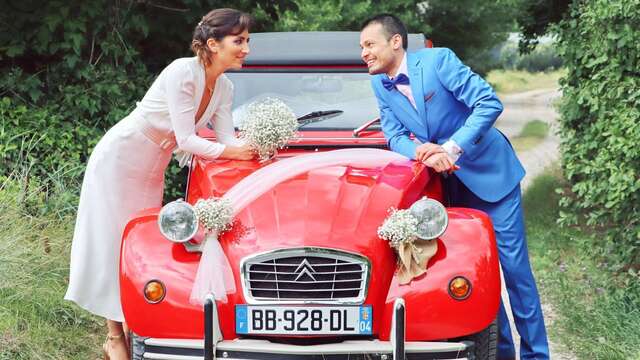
x=178, y=221
x=432, y=218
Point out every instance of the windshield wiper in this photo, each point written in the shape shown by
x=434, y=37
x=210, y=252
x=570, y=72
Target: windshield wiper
x=316, y=116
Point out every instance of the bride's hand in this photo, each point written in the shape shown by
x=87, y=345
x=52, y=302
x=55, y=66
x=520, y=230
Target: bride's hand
x=244, y=152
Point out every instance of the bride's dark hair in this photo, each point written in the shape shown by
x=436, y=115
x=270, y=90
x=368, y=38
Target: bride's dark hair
x=216, y=25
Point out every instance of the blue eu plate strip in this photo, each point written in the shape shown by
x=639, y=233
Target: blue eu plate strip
x=365, y=324
x=242, y=326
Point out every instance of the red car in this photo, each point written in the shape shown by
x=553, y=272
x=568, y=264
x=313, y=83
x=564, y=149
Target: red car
x=313, y=278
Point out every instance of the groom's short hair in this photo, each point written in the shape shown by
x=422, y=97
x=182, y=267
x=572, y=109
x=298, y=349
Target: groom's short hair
x=391, y=25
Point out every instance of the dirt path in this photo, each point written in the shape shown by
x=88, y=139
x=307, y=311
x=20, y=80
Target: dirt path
x=523, y=107
x=518, y=110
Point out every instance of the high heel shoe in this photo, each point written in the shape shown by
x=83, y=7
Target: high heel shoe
x=105, y=346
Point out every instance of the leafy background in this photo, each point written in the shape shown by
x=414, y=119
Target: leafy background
x=72, y=69
x=600, y=125
x=69, y=70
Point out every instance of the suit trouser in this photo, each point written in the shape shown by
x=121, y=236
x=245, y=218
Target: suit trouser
x=508, y=223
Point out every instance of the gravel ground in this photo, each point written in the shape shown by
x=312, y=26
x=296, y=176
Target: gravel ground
x=518, y=110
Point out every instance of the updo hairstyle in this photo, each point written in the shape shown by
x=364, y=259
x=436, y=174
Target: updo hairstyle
x=216, y=25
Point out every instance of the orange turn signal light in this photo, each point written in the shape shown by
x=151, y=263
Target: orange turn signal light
x=154, y=291
x=459, y=288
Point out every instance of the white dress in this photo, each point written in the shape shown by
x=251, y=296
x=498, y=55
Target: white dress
x=125, y=174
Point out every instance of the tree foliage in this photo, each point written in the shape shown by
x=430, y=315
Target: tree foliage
x=535, y=18
x=543, y=58
x=471, y=28
x=70, y=70
x=600, y=123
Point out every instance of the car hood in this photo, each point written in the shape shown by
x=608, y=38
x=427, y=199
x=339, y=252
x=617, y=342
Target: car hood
x=319, y=200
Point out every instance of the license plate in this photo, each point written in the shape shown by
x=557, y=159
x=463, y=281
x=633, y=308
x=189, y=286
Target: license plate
x=297, y=320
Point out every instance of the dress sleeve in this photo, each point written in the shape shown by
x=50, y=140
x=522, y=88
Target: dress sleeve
x=222, y=118
x=181, y=100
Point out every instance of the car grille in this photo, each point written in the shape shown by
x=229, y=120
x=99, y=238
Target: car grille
x=306, y=275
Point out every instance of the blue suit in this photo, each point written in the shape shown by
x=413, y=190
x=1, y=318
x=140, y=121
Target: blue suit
x=454, y=103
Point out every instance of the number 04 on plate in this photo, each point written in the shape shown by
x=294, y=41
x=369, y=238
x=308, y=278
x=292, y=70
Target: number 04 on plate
x=308, y=320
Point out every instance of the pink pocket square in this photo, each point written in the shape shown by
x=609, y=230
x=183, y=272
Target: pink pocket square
x=429, y=96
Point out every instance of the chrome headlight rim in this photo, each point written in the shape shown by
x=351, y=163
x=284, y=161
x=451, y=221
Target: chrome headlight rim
x=441, y=208
x=186, y=206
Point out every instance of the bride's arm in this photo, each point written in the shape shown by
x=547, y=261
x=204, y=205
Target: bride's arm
x=223, y=125
x=181, y=99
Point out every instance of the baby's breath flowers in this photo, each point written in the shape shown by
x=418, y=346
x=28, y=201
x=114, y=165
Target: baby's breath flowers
x=215, y=214
x=399, y=228
x=268, y=125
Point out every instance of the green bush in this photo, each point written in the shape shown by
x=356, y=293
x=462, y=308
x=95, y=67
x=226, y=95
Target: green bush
x=56, y=136
x=543, y=58
x=67, y=76
x=600, y=124
x=70, y=70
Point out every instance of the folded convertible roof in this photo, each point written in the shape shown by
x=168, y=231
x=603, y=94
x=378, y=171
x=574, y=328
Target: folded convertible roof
x=312, y=48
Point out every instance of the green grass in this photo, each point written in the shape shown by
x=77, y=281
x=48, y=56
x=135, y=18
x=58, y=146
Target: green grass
x=35, y=321
x=598, y=309
x=532, y=134
x=514, y=81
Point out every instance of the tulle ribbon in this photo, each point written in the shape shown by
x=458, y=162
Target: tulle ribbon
x=182, y=157
x=215, y=275
x=217, y=278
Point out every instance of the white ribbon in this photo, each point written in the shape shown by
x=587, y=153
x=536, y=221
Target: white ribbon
x=216, y=279
x=182, y=157
x=214, y=273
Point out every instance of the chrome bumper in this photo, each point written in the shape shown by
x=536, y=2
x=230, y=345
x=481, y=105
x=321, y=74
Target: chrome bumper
x=249, y=349
x=173, y=349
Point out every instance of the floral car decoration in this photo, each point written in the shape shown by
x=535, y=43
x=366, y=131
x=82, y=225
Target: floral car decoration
x=315, y=239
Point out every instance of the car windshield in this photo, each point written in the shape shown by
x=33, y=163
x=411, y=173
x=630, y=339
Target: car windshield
x=330, y=101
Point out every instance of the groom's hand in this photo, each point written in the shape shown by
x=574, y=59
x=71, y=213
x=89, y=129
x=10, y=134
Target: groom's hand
x=424, y=151
x=441, y=162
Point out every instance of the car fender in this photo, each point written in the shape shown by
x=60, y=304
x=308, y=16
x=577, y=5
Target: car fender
x=468, y=249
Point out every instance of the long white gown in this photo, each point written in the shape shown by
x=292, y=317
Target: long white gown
x=125, y=174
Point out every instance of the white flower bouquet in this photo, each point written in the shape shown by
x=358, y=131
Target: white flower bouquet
x=268, y=126
x=400, y=230
x=215, y=214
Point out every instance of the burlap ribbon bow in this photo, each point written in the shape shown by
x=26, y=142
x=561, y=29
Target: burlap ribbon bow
x=413, y=257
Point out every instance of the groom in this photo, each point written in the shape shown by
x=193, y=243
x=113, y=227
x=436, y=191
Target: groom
x=451, y=111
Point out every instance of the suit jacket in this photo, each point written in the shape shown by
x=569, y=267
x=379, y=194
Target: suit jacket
x=454, y=103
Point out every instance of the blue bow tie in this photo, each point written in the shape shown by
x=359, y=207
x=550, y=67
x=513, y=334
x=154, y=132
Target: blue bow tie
x=389, y=84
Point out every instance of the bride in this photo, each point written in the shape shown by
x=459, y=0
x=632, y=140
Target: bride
x=125, y=172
